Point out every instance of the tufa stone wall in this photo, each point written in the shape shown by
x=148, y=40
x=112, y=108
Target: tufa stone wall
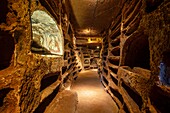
x=156, y=25
x=20, y=83
x=140, y=33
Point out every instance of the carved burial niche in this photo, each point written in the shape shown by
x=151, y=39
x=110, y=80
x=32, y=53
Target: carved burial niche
x=152, y=5
x=47, y=36
x=42, y=106
x=138, y=54
x=4, y=11
x=49, y=79
x=6, y=40
x=3, y=94
x=6, y=49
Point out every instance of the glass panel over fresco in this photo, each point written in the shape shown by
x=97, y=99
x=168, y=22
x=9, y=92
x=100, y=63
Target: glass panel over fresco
x=47, y=37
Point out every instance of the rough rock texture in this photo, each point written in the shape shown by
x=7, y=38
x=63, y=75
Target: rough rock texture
x=138, y=80
x=137, y=39
x=157, y=26
x=20, y=83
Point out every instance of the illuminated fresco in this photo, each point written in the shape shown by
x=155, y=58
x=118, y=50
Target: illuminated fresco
x=47, y=37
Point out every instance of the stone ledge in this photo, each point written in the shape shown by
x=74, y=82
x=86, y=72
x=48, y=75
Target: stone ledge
x=136, y=78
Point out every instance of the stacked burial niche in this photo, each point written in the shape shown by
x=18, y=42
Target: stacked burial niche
x=138, y=52
x=47, y=37
x=6, y=39
x=48, y=41
x=6, y=49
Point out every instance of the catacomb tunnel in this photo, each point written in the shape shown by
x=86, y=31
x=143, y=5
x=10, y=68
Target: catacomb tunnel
x=84, y=56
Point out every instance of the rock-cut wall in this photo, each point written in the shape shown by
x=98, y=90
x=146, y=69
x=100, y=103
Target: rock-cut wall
x=132, y=50
x=29, y=80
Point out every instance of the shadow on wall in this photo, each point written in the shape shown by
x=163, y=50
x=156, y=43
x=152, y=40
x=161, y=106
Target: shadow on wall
x=152, y=5
x=5, y=10
x=160, y=99
x=138, y=54
x=6, y=49
x=3, y=94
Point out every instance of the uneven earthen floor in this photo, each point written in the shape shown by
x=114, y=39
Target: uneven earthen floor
x=91, y=95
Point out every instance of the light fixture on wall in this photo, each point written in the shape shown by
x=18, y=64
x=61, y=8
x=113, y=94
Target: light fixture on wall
x=89, y=40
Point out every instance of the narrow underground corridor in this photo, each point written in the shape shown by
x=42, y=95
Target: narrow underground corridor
x=92, y=98
x=48, y=45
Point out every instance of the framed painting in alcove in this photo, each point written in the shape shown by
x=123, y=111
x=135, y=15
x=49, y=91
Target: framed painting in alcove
x=47, y=37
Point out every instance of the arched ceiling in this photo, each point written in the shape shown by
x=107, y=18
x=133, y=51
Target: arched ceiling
x=92, y=17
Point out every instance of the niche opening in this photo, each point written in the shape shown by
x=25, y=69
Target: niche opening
x=138, y=54
x=48, y=80
x=6, y=49
x=5, y=10
x=3, y=94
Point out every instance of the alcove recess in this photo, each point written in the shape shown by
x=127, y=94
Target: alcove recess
x=3, y=93
x=134, y=78
x=156, y=10
x=160, y=98
x=46, y=98
x=136, y=55
x=104, y=66
x=5, y=10
x=54, y=82
x=48, y=45
x=95, y=55
x=6, y=49
x=6, y=40
x=110, y=61
x=126, y=44
x=7, y=46
x=71, y=66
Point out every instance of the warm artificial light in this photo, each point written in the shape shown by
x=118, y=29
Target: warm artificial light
x=89, y=40
x=87, y=31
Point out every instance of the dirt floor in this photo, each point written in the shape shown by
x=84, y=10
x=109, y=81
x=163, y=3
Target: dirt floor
x=91, y=95
x=64, y=102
